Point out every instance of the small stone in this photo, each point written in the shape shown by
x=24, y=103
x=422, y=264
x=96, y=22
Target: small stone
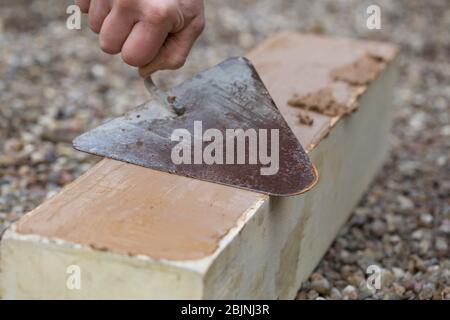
x=347, y=257
x=404, y=202
x=398, y=289
x=442, y=161
x=408, y=168
x=350, y=293
x=37, y=157
x=98, y=71
x=398, y=273
x=355, y=280
x=305, y=119
x=433, y=269
x=335, y=294
x=378, y=227
x=426, y=219
x=245, y=39
x=6, y=160
x=445, y=294
x=417, y=287
x=392, y=221
x=302, y=295
x=417, y=235
x=394, y=239
x=441, y=244
x=387, y=278
x=322, y=286
x=312, y=294
x=445, y=130
x=417, y=122
x=424, y=246
x=13, y=145
x=445, y=227
x=427, y=291
x=365, y=291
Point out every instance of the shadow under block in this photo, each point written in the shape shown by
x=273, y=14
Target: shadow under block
x=142, y=234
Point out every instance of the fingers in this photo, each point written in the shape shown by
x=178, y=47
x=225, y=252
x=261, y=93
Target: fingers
x=98, y=10
x=150, y=34
x=83, y=4
x=144, y=42
x=174, y=52
x=115, y=30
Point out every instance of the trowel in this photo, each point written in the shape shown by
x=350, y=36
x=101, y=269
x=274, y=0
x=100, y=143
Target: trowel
x=220, y=126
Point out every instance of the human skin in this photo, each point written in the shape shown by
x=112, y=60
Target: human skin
x=149, y=34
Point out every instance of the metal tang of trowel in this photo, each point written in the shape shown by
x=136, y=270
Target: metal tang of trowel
x=220, y=126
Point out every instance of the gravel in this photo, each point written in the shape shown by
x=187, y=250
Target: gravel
x=55, y=83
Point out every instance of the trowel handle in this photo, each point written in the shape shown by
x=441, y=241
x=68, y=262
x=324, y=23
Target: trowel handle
x=154, y=90
x=162, y=96
x=147, y=70
x=151, y=87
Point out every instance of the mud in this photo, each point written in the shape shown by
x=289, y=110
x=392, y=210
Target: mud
x=305, y=119
x=362, y=71
x=321, y=101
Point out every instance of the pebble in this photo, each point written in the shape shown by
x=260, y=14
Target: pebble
x=98, y=71
x=312, y=294
x=426, y=219
x=398, y=273
x=441, y=244
x=322, y=286
x=350, y=293
x=427, y=291
x=398, y=289
x=387, y=278
x=445, y=227
x=405, y=203
x=335, y=294
x=417, y=235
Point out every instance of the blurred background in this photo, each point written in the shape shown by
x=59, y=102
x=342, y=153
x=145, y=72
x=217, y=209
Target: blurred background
x=56, y=83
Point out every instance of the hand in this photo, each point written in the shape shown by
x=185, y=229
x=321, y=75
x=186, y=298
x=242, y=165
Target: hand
x=150, y=34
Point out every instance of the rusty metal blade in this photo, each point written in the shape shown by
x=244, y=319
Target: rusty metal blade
x=230, y=95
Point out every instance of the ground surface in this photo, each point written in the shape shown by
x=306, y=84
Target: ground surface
x=55, y=83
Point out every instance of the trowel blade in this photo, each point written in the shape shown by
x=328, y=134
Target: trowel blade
x=226, y=97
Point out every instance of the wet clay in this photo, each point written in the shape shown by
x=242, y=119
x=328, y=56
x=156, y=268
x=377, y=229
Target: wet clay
x=321, y=101
x=292, y=64
x=303, y=118
x=362, y=71
x=358, y=73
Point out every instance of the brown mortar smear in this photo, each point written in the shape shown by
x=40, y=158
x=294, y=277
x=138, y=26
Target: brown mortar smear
x=321, y=101
x=358, y=73
x=305, y=119
x=362, y=71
